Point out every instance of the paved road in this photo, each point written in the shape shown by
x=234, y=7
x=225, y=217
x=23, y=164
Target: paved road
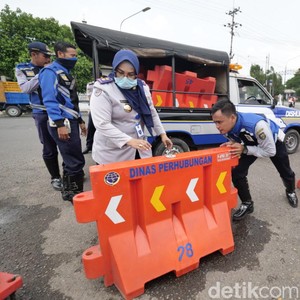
x=41, y=240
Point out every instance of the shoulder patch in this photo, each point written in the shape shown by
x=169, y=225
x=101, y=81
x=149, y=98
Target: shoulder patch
x=104, y=80
x=97, y=92
x=23, y=66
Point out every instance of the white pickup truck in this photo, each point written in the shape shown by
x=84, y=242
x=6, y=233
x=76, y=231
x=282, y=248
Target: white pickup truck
x=185, y=82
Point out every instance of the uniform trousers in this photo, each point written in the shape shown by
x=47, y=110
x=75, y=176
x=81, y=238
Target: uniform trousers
x=49, y=145
x=70, y=150
x=281, y=163
x=90, y=133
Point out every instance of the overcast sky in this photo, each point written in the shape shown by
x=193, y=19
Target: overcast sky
x=270, y=28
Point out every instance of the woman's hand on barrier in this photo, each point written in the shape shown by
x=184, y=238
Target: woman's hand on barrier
x=166, y=141
x=139, y=144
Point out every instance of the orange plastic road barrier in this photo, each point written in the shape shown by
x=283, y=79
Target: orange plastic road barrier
x=161, y=77
x=157, y=215
x=191, y=85
x=9, y=283
x=202, y=85
x=208, y=87
x=180, y=81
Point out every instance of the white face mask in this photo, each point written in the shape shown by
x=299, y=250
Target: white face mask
x=125, y=83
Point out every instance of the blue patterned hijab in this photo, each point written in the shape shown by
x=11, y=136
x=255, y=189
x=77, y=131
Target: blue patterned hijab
x=136, y=97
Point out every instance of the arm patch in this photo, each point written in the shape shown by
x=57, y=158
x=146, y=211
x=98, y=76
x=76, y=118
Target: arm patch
x=105, y=80
x=262, y=136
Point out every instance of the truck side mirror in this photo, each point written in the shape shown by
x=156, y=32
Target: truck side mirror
x=274, y=103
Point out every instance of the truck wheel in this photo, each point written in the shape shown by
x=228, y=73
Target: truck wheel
x=178, y=145
x=292, y=139
x=13, y=111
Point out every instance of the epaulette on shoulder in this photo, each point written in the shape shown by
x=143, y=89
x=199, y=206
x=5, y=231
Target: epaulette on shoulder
x=104, y=80
x=23, y=65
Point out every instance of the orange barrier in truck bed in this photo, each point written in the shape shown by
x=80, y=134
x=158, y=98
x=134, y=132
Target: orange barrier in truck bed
x=161, y=77
x=157, y=215
x=9, y=283
x=197, y=85
x=187, y=81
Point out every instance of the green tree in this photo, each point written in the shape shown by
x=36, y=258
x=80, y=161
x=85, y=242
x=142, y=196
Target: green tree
x=18, y=29
x=83, y=71
x=257, y=72
x=271, y=80
x=294, y=83
x=274, y=82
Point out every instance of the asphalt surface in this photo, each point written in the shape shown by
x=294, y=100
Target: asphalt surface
x=41, y=240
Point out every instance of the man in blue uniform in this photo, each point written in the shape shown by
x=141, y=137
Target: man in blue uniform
x=27, y=76
x=61, y=101
x=251, y=136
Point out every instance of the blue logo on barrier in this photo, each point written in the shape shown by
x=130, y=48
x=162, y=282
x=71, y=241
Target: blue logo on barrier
x=112, y=178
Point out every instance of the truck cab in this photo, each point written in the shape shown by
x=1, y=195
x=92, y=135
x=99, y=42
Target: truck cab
x=250, y=96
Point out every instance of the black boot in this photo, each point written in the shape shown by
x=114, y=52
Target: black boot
x=72, y=185
x=291, y=193
x=53, y=169
x=65, y=190
x=244, y=209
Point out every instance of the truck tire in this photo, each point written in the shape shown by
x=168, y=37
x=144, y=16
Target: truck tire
x=13, y=111
x=292, y=139
x=178, y=145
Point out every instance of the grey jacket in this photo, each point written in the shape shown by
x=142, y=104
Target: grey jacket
x=115, y=125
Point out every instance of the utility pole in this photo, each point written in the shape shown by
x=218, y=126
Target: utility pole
x=233, y=25
x=266, y=70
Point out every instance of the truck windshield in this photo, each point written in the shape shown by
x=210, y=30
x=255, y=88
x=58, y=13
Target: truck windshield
x=251, y=93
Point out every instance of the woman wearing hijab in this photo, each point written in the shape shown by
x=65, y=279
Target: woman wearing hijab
x=122, y=108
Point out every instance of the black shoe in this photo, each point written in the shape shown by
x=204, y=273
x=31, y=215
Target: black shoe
x=57, y=184
x=68, y=196
x=293, y=199
x=244, y=209
x=86, y=150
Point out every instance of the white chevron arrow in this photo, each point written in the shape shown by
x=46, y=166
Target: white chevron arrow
x=190, y=190
x=111, y=210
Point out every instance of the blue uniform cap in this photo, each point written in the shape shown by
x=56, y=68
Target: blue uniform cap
x=40, y=47
x=128, y=55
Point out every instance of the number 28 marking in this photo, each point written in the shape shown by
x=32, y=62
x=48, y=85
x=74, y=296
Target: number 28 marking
x=187, y=249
